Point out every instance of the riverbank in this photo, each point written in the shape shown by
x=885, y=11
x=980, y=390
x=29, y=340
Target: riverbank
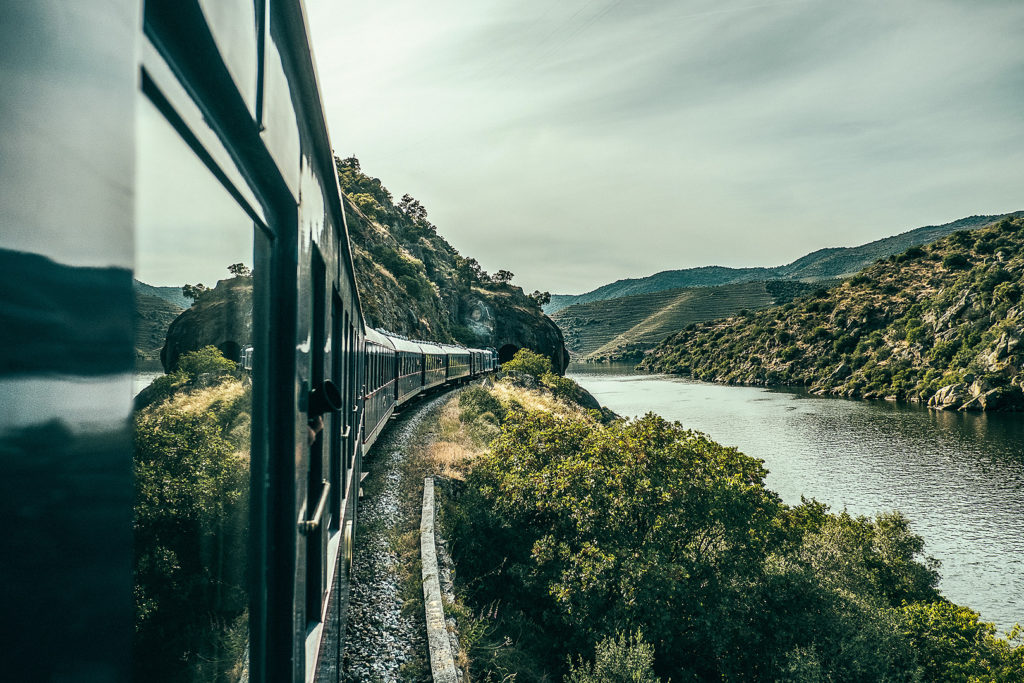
x=571, y=534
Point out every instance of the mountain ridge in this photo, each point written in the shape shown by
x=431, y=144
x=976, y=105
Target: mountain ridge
x=824, y=263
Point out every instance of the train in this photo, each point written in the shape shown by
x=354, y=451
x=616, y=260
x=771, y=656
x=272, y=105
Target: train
x=149, y=143
x=398, y=369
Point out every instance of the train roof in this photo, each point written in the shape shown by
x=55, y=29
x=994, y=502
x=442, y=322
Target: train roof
x=376, y=337
x=405, y=344
x=452, y=348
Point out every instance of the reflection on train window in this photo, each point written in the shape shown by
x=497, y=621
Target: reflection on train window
x=194, y=286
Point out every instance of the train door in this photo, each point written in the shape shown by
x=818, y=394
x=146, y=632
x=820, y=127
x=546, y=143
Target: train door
x=339, y=420
x=318, y=486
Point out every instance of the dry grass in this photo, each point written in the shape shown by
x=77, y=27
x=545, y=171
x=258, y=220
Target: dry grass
x=454, y=446
x=200, y=400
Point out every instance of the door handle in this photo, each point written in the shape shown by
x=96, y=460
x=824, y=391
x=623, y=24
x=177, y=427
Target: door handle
x=308, y=526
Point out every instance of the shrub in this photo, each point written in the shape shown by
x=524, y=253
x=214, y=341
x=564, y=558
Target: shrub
x=955, y=261
x=623, y=659
x=528, y=363
x=207, y=360
x=476, y=402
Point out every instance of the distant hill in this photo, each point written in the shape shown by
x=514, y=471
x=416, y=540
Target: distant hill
x=822, y=264
x=155, y=309
x=941, y=323
x=171, y=295
x=626, y=327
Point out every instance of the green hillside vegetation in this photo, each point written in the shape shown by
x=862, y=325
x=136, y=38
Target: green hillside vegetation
x=940, y=323
x=191, y=465
x=626, y=327
x=823, y=264
x=410, y=279
x=589, y=549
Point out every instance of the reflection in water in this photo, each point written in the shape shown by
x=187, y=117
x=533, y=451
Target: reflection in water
x=958, y=477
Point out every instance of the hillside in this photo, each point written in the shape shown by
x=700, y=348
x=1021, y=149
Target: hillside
x=412, y=281
x=626, y=327
x=155, y=309
x=940, y=324
x=822, y=264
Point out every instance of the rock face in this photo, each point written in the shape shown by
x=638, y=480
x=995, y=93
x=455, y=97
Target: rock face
x=517, y=329
x=221, y=317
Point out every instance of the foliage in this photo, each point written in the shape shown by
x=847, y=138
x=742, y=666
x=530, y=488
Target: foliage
x=586, y=532
x=194, y=291
x=240, y=270
x=903, y=328
x=207, y=360
x=527, y=362
x=541, y=298
x=476, y=403
x=623, y=659
x=503, y=276
x=191, y=472
x=953, y=645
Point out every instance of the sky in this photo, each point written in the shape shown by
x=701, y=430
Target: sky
x=578, y=142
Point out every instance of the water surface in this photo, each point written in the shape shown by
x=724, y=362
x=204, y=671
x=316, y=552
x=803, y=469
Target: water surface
x=958, y=477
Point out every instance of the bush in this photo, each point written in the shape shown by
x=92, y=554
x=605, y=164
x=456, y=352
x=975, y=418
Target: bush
x=623, y=659
x=955, y=261
x=528, y=363
x=477, y=402
x=206, y=361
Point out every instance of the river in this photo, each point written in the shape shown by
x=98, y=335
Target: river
x=958, y=477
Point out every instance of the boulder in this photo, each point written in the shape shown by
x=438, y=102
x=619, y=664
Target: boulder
x=949, y=397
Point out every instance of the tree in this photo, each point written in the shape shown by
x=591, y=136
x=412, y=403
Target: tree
x=348, y=162
x=528, y=363
x=542, y=298
x=469, y=270
x=193, y=291
x=240, y=270
x=412, y=208
x=503, y=276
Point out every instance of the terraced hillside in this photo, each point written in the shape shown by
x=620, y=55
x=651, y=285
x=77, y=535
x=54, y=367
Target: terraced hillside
x=822, y=264
x=626, y=327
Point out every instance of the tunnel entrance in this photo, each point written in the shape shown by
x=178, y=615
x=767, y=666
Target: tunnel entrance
x=506, y=352
x=231, y=350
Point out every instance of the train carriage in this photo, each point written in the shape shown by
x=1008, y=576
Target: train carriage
x=380, y=382
x=458, y=362
x=408, y=369
x=435, y=365
x=206, y=148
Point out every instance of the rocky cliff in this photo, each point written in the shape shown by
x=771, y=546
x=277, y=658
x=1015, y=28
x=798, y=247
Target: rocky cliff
x=221, y=317
x=413, y=282
x=940, y=324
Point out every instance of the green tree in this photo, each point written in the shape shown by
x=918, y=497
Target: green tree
x=194, y=291
x=240, y=270
x=528, y=362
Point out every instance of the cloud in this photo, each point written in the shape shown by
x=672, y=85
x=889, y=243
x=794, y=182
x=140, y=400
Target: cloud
x=641, y=136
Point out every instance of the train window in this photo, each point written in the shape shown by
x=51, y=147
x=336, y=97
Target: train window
x=193, y=415
x=234, y=28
